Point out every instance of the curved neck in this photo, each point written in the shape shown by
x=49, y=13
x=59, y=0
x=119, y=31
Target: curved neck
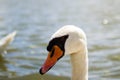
x=79, y=63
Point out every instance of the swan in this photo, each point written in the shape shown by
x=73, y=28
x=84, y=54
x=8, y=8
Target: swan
x=4, y=42
x=68, y=40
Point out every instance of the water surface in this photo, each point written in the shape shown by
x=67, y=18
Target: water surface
x=37, y=20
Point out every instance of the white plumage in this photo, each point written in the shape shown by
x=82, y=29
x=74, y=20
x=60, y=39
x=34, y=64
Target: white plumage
x=4, y=42
x=75, y=46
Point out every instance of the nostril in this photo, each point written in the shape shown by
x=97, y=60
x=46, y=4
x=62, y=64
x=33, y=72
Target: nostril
x=52, y=53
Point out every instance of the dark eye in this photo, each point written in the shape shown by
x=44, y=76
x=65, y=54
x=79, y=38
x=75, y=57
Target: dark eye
x=52, y=53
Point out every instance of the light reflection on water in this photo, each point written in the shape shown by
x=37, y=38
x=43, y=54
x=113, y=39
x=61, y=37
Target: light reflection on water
x=100, y=19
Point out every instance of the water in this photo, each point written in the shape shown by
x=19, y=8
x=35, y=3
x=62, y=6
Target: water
x=37, y=20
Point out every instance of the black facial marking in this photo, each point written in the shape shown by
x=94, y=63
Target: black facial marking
x=59, y=41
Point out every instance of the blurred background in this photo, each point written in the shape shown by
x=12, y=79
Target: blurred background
x=36, y=20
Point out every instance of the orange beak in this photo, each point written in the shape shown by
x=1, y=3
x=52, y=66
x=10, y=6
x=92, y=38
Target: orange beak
x=54, y=55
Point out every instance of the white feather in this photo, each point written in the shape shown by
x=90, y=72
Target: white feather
x=4, y=42
x=76, y=47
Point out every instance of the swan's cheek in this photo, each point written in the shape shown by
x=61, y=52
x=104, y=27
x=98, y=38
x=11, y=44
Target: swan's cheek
x=53, y=56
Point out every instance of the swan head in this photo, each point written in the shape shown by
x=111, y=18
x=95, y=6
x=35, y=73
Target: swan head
x=67, y=40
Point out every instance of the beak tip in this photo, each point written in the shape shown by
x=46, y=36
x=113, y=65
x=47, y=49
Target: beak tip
x=40, y=71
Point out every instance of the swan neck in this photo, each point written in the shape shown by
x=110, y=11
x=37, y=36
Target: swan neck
x=79, y=63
